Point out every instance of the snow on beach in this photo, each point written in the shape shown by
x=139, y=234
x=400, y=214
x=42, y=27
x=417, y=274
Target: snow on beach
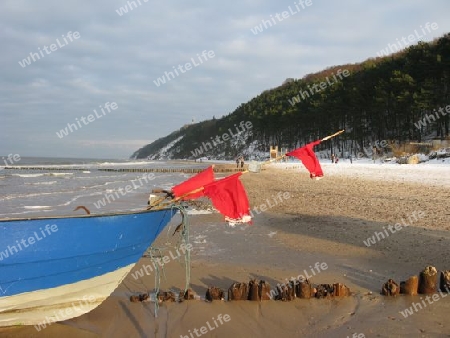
x=433, y=173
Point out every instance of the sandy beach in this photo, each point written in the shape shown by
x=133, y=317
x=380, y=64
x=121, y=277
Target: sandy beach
x=320, y=222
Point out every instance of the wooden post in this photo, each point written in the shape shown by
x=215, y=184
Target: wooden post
x=390, y=288
x=238, y=291
x=253, y=290
x=427, y=280
x=214, y=293
x=304, y=290
x=188, y=295
x=410, y=286
x=286, y=292
x=264, y=290
x=324, y=291
x=445, y=281
x=340, y=290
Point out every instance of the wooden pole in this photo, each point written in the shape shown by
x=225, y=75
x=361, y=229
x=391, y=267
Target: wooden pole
x=333, y=135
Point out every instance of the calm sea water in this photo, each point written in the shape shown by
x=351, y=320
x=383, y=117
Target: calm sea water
x=27, y=193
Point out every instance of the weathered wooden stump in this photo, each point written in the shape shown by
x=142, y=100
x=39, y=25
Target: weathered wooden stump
x=445, y=281
x=264, y=290
x=214, y=293
x=164, y=296
x=390, y=288
x=139, y=298
x=238, y=291
x=253, y=290
x=410, y=286
x=427, y=280
x=304, y=290
x=134, y=299
x=286, y=292
x=324, y=291
x=189, y=294
x=340, y=290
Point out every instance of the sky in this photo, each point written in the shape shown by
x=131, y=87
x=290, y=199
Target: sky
x=85, y=58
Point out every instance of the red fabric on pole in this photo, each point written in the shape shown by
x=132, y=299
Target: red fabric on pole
x=193, y=183
x=308, y=157
x=228, y=195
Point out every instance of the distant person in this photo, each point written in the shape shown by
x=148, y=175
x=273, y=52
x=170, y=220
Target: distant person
x=332, y=158
x=242, y=161
x=237, y=162
x=350, y=158
x=336, y=160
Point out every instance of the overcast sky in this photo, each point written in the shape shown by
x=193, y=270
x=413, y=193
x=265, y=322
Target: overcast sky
x=117, y=58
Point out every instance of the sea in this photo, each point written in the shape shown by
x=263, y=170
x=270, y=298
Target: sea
x=39, y=186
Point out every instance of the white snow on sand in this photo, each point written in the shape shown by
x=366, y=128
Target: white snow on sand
x=433, y=173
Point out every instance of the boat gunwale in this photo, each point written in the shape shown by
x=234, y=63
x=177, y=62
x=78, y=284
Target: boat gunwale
x=87, y=216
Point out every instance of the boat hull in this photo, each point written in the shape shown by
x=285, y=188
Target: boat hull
x=53, y=269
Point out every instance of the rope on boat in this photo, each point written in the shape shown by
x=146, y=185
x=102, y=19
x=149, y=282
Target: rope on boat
x=185, y=241
x=157, y=276
x=155, y=253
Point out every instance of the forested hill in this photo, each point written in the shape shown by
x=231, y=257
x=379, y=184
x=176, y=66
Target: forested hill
x=399, y=97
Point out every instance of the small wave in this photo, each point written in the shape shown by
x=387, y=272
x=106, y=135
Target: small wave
x=143, y=162
x=37, y=207
x=58, y=174
x=43, y=183
x=28, y=175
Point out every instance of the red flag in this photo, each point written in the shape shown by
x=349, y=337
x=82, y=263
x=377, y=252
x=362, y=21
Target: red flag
x=228, y=195
x=309, y=159
x=194, y=183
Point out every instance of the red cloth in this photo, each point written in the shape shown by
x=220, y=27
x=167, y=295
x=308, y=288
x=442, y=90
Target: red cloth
x=193, y=183
x=309, y=159
x=228, y=195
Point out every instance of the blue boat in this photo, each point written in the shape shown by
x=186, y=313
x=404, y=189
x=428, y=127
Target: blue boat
x=53, y=269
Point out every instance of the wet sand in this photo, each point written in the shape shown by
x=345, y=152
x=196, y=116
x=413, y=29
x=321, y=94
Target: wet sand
x=322, y=221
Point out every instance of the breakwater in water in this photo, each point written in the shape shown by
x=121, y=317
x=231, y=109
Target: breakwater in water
x=217, y=169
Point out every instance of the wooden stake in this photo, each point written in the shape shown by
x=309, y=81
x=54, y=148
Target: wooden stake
x=410, y=286
x=427, y=280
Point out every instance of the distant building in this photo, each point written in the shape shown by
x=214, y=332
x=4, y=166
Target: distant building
x=288, y=80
